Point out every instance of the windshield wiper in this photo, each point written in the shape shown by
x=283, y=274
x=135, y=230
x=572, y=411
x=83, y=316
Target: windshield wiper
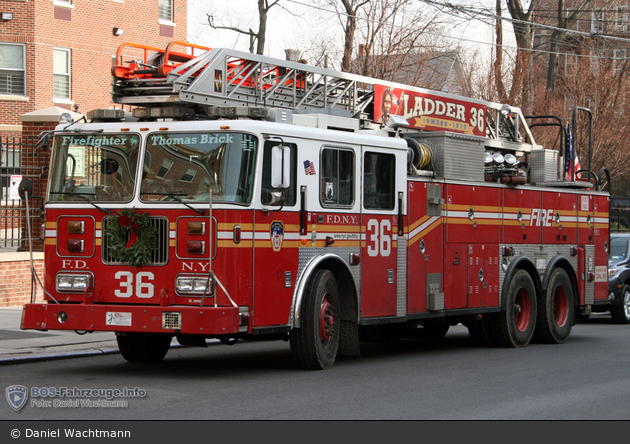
x=82, y=196
x=175, y=196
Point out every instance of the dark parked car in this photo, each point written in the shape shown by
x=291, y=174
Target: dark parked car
x=619, y=278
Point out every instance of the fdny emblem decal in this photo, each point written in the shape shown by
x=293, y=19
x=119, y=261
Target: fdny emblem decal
x=277, y=234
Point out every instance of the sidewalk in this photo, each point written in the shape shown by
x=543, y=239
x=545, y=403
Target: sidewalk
x=30, y=345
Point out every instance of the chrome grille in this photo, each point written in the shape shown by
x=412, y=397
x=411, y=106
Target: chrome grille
x=159, y=256
x=171, y=320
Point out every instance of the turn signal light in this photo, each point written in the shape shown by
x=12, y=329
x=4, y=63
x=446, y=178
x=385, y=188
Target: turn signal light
x=76, y=227
x=196, y=228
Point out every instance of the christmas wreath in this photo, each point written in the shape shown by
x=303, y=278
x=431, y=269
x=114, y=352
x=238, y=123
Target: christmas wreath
x=122, y=228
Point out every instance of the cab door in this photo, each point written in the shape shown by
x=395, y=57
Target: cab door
x=379, y=226
x=276, y=239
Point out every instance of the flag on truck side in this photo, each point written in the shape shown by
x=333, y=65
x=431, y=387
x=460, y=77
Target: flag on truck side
x=571, y=161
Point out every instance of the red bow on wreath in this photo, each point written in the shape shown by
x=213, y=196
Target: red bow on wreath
x=124, y=221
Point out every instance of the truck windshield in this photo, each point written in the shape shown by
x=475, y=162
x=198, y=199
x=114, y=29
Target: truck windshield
x=93, y=167
x=184, y=166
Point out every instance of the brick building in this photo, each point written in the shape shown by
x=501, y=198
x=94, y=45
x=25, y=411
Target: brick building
x=59, y=52
x=596, y=40
x=56, y=55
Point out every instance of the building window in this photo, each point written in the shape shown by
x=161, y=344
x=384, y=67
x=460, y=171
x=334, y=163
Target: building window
x=165, y=168
x=594, y=60
x=61, y=73
x=12, y=70
x=597, y=22
x=621, y=18
x=10, y=165
x=166, y=10
x=570, y=65
x=189, y=175
x=619, y=60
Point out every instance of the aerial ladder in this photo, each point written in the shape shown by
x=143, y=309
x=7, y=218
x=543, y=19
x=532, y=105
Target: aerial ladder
x=198, y=78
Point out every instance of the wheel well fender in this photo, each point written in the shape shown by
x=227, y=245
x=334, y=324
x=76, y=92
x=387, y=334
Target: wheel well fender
x=348, y=296
x=561, y=262
x=519, y=263
x=624, y=278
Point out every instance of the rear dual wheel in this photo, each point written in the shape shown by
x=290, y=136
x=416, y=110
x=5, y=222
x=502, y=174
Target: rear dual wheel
x=514, y=327
x=556, y=310
x=314, y=345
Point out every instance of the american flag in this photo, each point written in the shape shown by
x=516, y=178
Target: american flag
x=571, y=158
x=309, y=168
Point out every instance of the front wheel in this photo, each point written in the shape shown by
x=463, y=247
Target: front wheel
x=556, y=310
x=140, y=347
x=314, y=345
x=621, y=313
x=514, y=327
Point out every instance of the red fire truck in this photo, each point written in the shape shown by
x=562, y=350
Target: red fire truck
x=245, y=197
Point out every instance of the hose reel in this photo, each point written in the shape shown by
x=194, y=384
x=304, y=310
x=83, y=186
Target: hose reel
x=419, y=154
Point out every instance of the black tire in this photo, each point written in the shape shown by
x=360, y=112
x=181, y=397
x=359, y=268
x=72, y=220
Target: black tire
x=514, y=327
x=556, y=310
x=140, y=347
x=314, y=345
x=228, y=341
x=620, y=314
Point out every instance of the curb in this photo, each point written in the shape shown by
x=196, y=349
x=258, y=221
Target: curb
x=55, y=356
x=67, y=355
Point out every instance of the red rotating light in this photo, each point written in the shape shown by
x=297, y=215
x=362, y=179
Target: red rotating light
x=74, y=245
x=196, y=247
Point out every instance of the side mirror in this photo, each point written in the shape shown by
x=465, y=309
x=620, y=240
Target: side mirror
x=42, y=141
x=109, y=166
x=25, y=187
x=280, y=166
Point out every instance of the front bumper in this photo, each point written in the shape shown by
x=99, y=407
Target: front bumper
x=207, y=321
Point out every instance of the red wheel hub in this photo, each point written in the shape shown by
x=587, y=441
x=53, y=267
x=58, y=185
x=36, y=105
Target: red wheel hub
x=522, y=310
x=326, y=320
x=560, y=307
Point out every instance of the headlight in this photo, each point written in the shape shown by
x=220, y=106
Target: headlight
x=194, y=286
x=612, y=271
x=73, y=282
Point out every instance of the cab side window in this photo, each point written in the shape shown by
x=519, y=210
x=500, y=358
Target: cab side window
x=337, y=177
x=379, y=187
x=290, y=194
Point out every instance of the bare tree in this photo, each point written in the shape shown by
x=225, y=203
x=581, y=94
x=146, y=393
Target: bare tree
x=347, y=13
x=256, y=38
x=523, y=33
x=498, y=57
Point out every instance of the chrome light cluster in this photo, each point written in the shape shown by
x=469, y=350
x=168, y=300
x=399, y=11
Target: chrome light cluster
x=73, y=282
x=195, y=285
x=505, y=168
